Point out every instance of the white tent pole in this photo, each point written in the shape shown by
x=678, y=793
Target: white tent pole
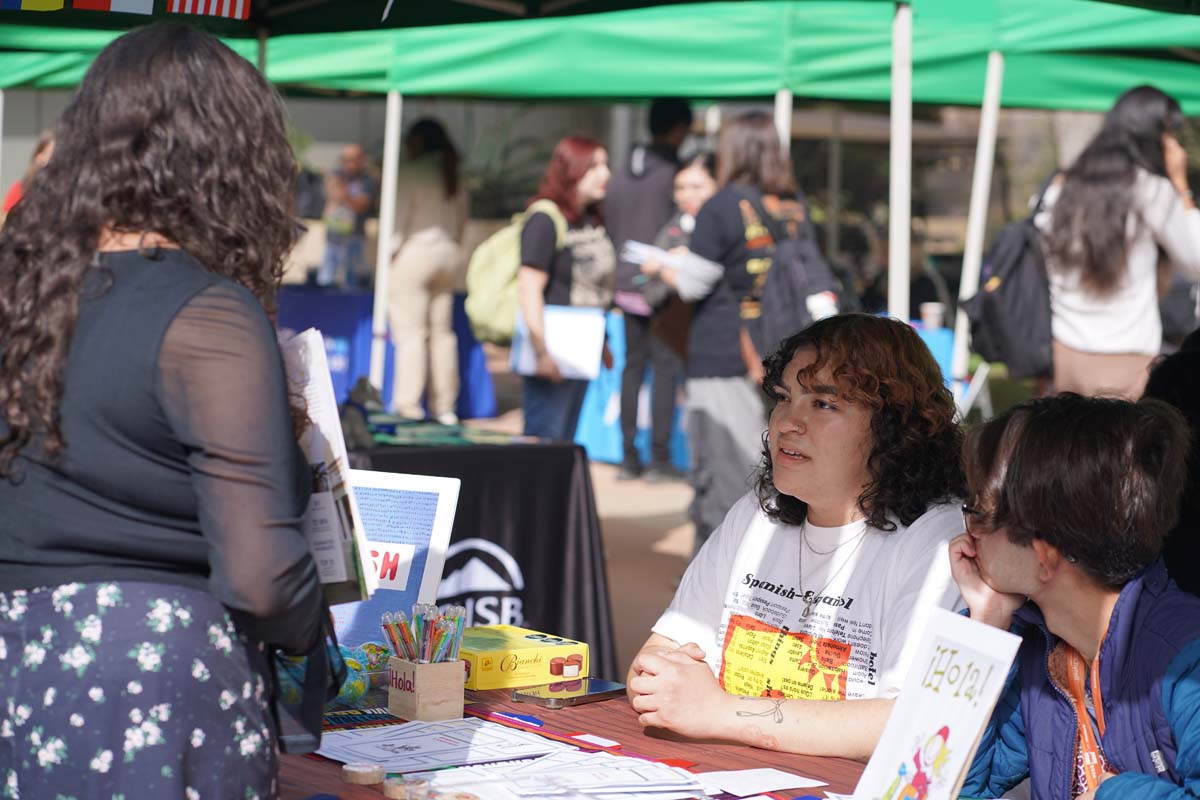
x=262, y=51
x=900, y=174
x=783, y=118
x=712, y=125
x=387, y=229
x=833, y=219
x=981, y=189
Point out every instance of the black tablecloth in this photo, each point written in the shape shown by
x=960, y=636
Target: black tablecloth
x=526, y=548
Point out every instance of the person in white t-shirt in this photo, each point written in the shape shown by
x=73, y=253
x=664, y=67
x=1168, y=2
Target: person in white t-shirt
x=815, y=586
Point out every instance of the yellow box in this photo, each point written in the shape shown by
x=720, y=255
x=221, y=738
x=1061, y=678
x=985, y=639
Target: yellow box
x=504, y=656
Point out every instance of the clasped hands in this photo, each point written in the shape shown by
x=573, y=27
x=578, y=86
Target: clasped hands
x=674, y=688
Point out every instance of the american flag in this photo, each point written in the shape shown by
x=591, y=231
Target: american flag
x=236, y=9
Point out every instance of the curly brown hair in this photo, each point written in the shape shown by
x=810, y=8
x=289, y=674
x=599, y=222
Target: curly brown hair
x=170, y=133
x=916, y=442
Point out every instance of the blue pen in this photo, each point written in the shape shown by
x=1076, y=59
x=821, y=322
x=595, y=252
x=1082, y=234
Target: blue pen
x=526, y=718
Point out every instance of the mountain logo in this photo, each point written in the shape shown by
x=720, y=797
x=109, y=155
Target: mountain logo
x=483, y=577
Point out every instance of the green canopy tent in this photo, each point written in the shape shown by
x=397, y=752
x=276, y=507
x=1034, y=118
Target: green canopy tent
x=720, y=49
x=820, y=48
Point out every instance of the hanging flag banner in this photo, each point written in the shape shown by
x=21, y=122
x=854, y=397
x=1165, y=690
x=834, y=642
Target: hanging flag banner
x=234, y=9
x=120, y=6
x=31, y=5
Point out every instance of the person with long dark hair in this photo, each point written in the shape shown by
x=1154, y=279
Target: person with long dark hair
x=1106, y=219
x=724, y=409
x=794, y=626
x=431, y=210
x=151, y=487
x=568, y=261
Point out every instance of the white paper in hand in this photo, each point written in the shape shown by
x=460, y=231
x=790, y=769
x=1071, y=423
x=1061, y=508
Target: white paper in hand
x=574, y=338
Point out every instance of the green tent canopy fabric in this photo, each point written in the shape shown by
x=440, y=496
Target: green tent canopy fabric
x=1071, y=54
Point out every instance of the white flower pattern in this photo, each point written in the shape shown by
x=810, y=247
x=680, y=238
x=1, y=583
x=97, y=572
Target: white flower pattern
x=103, y=761
x=102, y=721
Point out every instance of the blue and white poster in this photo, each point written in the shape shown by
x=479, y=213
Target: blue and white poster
x=407, y=521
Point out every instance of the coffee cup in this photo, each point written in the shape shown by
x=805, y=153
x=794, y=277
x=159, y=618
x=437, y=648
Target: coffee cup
x=933, y=316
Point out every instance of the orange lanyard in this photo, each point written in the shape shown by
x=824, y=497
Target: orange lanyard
x=1089, y=747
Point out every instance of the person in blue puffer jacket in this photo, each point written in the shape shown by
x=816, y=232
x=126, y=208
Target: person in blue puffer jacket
x=1070, y=500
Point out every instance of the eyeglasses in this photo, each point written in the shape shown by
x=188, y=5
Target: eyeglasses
x=973, y=518
x=975, y=521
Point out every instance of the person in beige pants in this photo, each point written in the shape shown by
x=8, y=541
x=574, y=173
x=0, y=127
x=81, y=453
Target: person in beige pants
x=426, y=268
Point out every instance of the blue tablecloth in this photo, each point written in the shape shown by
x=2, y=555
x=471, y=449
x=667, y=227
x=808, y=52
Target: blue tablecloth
x=344, y=319
x=599, y=429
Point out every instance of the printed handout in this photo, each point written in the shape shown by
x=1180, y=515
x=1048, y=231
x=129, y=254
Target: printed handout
x=332, y=522
x=416, y=746
x=406, y=523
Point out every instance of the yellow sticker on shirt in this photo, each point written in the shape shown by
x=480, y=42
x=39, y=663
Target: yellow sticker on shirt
x=760, y=660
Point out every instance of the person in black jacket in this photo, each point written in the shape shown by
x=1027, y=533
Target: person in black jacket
x=639, y=203
x=1176, y=380
x=151, y=487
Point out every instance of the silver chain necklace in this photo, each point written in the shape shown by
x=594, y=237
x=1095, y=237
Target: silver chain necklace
x=834, y=549
x=808, y=604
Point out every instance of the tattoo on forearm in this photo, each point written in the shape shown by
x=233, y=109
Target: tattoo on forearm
x=775, y=711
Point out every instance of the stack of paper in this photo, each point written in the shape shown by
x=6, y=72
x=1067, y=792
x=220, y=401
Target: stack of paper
x=417, y=746
x=597, y=776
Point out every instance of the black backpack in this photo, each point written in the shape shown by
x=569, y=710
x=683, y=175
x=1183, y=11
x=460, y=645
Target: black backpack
x=1010, y=314
x=798, y=270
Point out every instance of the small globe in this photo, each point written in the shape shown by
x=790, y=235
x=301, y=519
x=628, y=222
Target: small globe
x=376, y=655
x=353, y=688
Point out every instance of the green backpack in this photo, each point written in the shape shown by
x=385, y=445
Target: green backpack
x=492, y=275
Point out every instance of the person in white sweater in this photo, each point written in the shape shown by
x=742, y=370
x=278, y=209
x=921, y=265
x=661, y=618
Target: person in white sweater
x=1106, y=220
x=431, y=210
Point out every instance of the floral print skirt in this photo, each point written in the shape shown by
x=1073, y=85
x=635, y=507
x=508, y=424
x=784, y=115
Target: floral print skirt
x=130, y=690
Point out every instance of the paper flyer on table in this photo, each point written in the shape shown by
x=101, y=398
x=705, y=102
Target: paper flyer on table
x=415, y=746
x=332, y=522
x=574, y=338
x=407, y=521
x=944, y=705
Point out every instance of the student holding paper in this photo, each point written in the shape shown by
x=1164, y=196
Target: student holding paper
x=580, y=273
x=151, y=487
x=794, y=626
x=1070, y=502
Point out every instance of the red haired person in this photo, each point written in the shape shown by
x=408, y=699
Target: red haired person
x=580, y=272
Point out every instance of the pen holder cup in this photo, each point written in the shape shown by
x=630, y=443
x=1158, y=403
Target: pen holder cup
x=425, y=692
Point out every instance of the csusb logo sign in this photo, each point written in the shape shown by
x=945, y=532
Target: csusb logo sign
x=486, y=580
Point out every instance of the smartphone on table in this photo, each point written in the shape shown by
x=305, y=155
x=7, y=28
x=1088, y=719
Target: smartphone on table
x=574, y=692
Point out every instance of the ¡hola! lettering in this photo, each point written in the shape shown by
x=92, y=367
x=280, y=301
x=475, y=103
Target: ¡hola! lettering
x=404, y=681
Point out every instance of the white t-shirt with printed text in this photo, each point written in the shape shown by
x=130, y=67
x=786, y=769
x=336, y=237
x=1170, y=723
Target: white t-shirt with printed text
x=741, y=601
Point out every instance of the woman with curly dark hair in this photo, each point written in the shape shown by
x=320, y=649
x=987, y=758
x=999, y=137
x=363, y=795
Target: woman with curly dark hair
x=815, y=585
x=151, y=488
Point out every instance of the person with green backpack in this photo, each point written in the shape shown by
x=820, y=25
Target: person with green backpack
x=576, y=268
